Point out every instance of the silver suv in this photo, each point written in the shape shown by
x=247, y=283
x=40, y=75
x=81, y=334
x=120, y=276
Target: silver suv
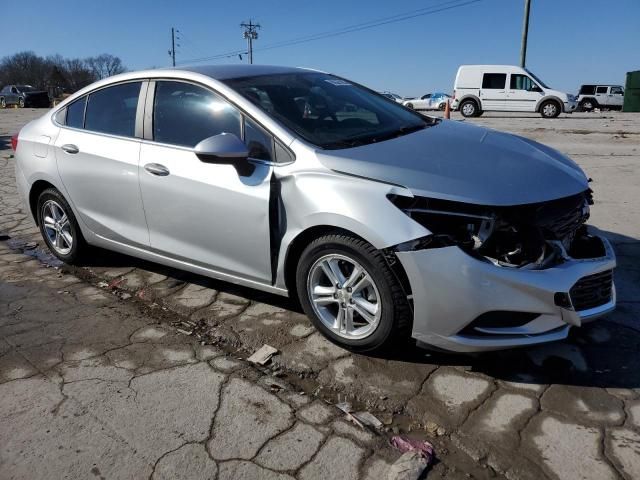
x=609, y=97
x=384, y=223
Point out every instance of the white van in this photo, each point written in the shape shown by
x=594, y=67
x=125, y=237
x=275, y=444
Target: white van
x=506, y=88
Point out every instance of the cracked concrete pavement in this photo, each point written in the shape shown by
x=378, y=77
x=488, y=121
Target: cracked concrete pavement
x=96, y=379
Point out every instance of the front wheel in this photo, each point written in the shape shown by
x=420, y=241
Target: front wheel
x=550, y=109
x=21, y=102
x=3, y=103
x=410, y=105
x=587, y=105
x=351, y=295
x=59, y=227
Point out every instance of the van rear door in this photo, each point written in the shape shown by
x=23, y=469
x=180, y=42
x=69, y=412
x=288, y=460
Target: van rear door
x=493, y=93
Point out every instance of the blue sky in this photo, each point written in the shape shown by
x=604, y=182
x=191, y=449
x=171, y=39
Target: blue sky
x=570, y=41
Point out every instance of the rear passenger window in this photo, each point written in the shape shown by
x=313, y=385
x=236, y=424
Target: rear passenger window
x=601, y=90
x=494, y=80
x=185, y=114
x=113, y=110
x=75, y=113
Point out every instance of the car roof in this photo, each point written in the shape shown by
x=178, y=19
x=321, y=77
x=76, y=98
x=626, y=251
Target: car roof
x=224, y=72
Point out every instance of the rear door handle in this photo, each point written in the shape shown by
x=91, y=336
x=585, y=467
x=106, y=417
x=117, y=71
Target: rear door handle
x=70, y=148
x=157, y=169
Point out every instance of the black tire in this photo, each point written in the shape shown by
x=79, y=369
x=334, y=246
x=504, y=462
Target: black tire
x=410, y=105
x=395, y=322
x=3, y=103
x=21, y=102
x=442, y=107
x=468, y=108
x=550, y=109
x=588, y=104
x=79, y=246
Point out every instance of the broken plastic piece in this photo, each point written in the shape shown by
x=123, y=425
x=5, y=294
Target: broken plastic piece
x=368, y=419
x=424, y=448
x=263, y=354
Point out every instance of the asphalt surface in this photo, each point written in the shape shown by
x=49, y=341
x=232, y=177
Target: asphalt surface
x=103, y=351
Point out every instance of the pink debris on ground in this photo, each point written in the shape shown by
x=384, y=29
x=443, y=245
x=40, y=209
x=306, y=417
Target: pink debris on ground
x=410, y=445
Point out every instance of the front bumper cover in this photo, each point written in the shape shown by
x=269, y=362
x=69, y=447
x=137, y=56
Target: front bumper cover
x=451, y=289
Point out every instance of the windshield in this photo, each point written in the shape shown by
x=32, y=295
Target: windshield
x=540, y=82
x=328, y=111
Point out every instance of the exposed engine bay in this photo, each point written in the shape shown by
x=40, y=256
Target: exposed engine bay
x=531, y=236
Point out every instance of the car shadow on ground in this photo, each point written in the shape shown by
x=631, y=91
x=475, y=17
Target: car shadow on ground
x=5, y=142
x=599, y=354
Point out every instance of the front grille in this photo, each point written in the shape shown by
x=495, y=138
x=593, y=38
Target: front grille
x=592, y=291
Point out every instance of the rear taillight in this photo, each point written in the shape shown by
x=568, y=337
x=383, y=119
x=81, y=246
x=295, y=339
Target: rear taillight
x=14, y=141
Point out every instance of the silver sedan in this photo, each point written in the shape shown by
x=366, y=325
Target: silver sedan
x=384, y=223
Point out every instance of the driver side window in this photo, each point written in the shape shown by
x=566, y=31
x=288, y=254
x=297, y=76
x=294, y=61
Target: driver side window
x=522, y=82
x=185, y=114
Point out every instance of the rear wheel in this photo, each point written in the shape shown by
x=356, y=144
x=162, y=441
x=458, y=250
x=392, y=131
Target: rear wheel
x=410, y=105
x=59, y=227
x=350, y=294
x=550, y=109
x=469, y=108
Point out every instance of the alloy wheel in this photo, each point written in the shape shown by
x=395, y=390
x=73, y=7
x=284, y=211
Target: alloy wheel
x=344, y=296
x=57, y=227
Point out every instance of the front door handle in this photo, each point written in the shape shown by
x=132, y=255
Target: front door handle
x=70, y=148
x=157, y=169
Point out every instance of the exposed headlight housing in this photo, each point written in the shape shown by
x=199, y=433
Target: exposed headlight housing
x=511, y=236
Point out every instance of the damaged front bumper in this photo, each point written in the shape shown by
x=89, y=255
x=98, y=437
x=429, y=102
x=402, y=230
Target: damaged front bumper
x=466, y=304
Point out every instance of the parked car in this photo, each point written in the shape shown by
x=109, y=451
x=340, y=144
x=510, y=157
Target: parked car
x=430, y=101
x=384, y=223
x=506, y=88
x=392, y=96
x=23, y=96
x=600, y=96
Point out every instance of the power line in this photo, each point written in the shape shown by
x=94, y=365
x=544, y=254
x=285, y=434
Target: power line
x=448, y=5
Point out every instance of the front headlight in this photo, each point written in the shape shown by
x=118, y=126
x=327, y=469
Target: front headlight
x=448, y=224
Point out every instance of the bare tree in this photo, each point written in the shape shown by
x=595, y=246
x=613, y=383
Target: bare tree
x=105, y=65
x=25, y=68
x=55, y=72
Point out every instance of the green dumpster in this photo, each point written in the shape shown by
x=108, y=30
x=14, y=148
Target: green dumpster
x=632, y=92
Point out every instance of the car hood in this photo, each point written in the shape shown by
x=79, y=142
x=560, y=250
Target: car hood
x=461, y=162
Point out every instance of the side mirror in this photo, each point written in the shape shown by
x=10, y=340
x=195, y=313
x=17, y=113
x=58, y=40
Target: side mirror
x=223, y=148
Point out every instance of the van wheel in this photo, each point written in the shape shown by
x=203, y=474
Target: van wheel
x=351, y=295
x=588, y=104
x=550, y=109
x=469, y=108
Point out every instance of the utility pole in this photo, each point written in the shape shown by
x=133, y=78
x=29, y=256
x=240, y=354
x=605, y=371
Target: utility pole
x=172, y=52
x=251, y=34
x=525, y=33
